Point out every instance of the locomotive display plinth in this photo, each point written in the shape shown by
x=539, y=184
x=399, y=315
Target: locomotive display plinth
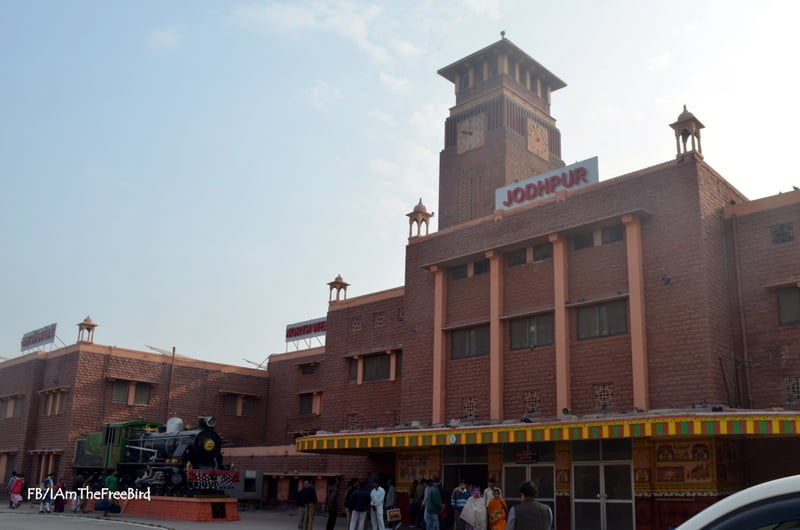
x=184, y=508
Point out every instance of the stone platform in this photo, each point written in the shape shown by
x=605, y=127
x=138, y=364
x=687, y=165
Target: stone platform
x=184, y=508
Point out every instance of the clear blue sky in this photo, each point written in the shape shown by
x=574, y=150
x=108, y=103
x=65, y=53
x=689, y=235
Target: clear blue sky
x=192, y=173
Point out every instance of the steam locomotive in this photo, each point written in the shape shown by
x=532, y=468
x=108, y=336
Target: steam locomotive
x=164, y=458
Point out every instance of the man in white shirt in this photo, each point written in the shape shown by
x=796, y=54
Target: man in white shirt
x=377, y=496
x=488, y=493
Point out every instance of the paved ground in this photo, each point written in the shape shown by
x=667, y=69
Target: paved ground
x=27, y=517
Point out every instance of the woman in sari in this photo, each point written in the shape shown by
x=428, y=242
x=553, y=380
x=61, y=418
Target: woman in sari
x=498, y=511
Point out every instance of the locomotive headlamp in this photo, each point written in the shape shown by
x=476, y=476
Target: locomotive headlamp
x=209, y=444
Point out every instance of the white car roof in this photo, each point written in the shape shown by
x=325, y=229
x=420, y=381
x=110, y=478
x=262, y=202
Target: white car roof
x=766, y=490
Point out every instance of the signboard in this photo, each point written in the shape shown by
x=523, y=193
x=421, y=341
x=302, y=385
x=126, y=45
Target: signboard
x=305, y=330
x=38, y=337
x=526, y=457
x=577, y=175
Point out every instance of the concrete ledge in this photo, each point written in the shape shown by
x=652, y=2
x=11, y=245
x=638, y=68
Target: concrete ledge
x=184, y=509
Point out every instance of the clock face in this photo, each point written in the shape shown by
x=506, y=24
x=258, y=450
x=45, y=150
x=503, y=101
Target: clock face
x=537, y=139
x=471, y=133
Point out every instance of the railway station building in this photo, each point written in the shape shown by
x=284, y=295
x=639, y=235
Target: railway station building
x=631, y=344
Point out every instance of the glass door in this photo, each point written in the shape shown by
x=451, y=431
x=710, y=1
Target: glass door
x=602, y=496
x=542, y=475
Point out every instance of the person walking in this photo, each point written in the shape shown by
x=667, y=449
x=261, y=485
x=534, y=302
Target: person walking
x=474, y=512
x=433, y=505
x=110, y=485
x=497, y=511
x=458, y=499
x=9, y=483
x=47, y=500
x=529, y=514
x=15, y=491
x=332, y=500
x=359, y=504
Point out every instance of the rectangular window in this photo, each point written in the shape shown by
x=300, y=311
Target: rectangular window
x=464, y=80
x=602, y=320
x=583, y=240
x=479, y=73
x=480, y=267
x=459, y=272
x=19, y=403
x=141, y=394
x=119, y=393
x=470, y=342
x=612, y=234
x=376, y=367
x=229, y=404
x=307, y=369
x=352, y=370
x=248, y=405
x=789, y=306
x=543, y=252
x=529, y=332
x=306, y=403
x=518, y=257
x=782, y=233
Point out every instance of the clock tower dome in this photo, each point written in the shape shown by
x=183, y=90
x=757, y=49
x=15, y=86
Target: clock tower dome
x=499, y=131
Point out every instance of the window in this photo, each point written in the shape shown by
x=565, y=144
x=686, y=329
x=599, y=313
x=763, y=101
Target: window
x=130, y=392
x=602, y=320
x=378, y=319
x=612, y=234
x=782, y=233
x=480, y=267
x=306, y=403
x=532, y=401
x=603, y=396
x=352, y=370
x=583, y=240
x=464, y=80
x=469, y=406
x=229, y=404
x=307, y=369
x=542, y=252
x=479, y=73
x=401, y=314
x=119, y=394
x=355, y=324
x=470, y=342
x=517, y=257
x=11, y=406
x=792, y=390
x=529, y=332
x=238, y=404
x=789, y=306
x=377, y=367
x=54, y=402
x=459, y=272
x=351, y=422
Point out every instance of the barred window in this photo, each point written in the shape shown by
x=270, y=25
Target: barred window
x=469, y=406
x=532, y=401
x=355, y=324
x=378, y=319
x=782, y=233
x=604, y=395
x=529, y=332
x=470, y=342
x=792, y=390
x=351, y=422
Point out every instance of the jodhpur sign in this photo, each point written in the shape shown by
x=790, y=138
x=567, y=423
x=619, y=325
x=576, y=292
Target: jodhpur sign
x=38, y=337
x=578, y=175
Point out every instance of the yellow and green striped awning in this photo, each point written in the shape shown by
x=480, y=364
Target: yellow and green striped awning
x=776, y=424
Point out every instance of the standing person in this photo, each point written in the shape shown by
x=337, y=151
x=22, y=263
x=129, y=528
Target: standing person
x=308, y=504
x=359, y=503
x=419, y=495
x=377, y=496
x=78, y=499
x=348, y=508
x=332, y=500
x=47, y=486
x=110, y=484
x=391, y=497
x=488, y=493
x=9, y=483
x=497, y=510
x=58, y=500
x=458, y=499
x=529, y=514
x=413, y=507
x=433, y=505
x=474, y=512
x=15, y=491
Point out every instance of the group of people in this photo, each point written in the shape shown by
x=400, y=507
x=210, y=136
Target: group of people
x=471, y=509
x=367, y=501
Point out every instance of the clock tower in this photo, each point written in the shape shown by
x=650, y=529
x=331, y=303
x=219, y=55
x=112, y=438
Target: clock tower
x=499, y=131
